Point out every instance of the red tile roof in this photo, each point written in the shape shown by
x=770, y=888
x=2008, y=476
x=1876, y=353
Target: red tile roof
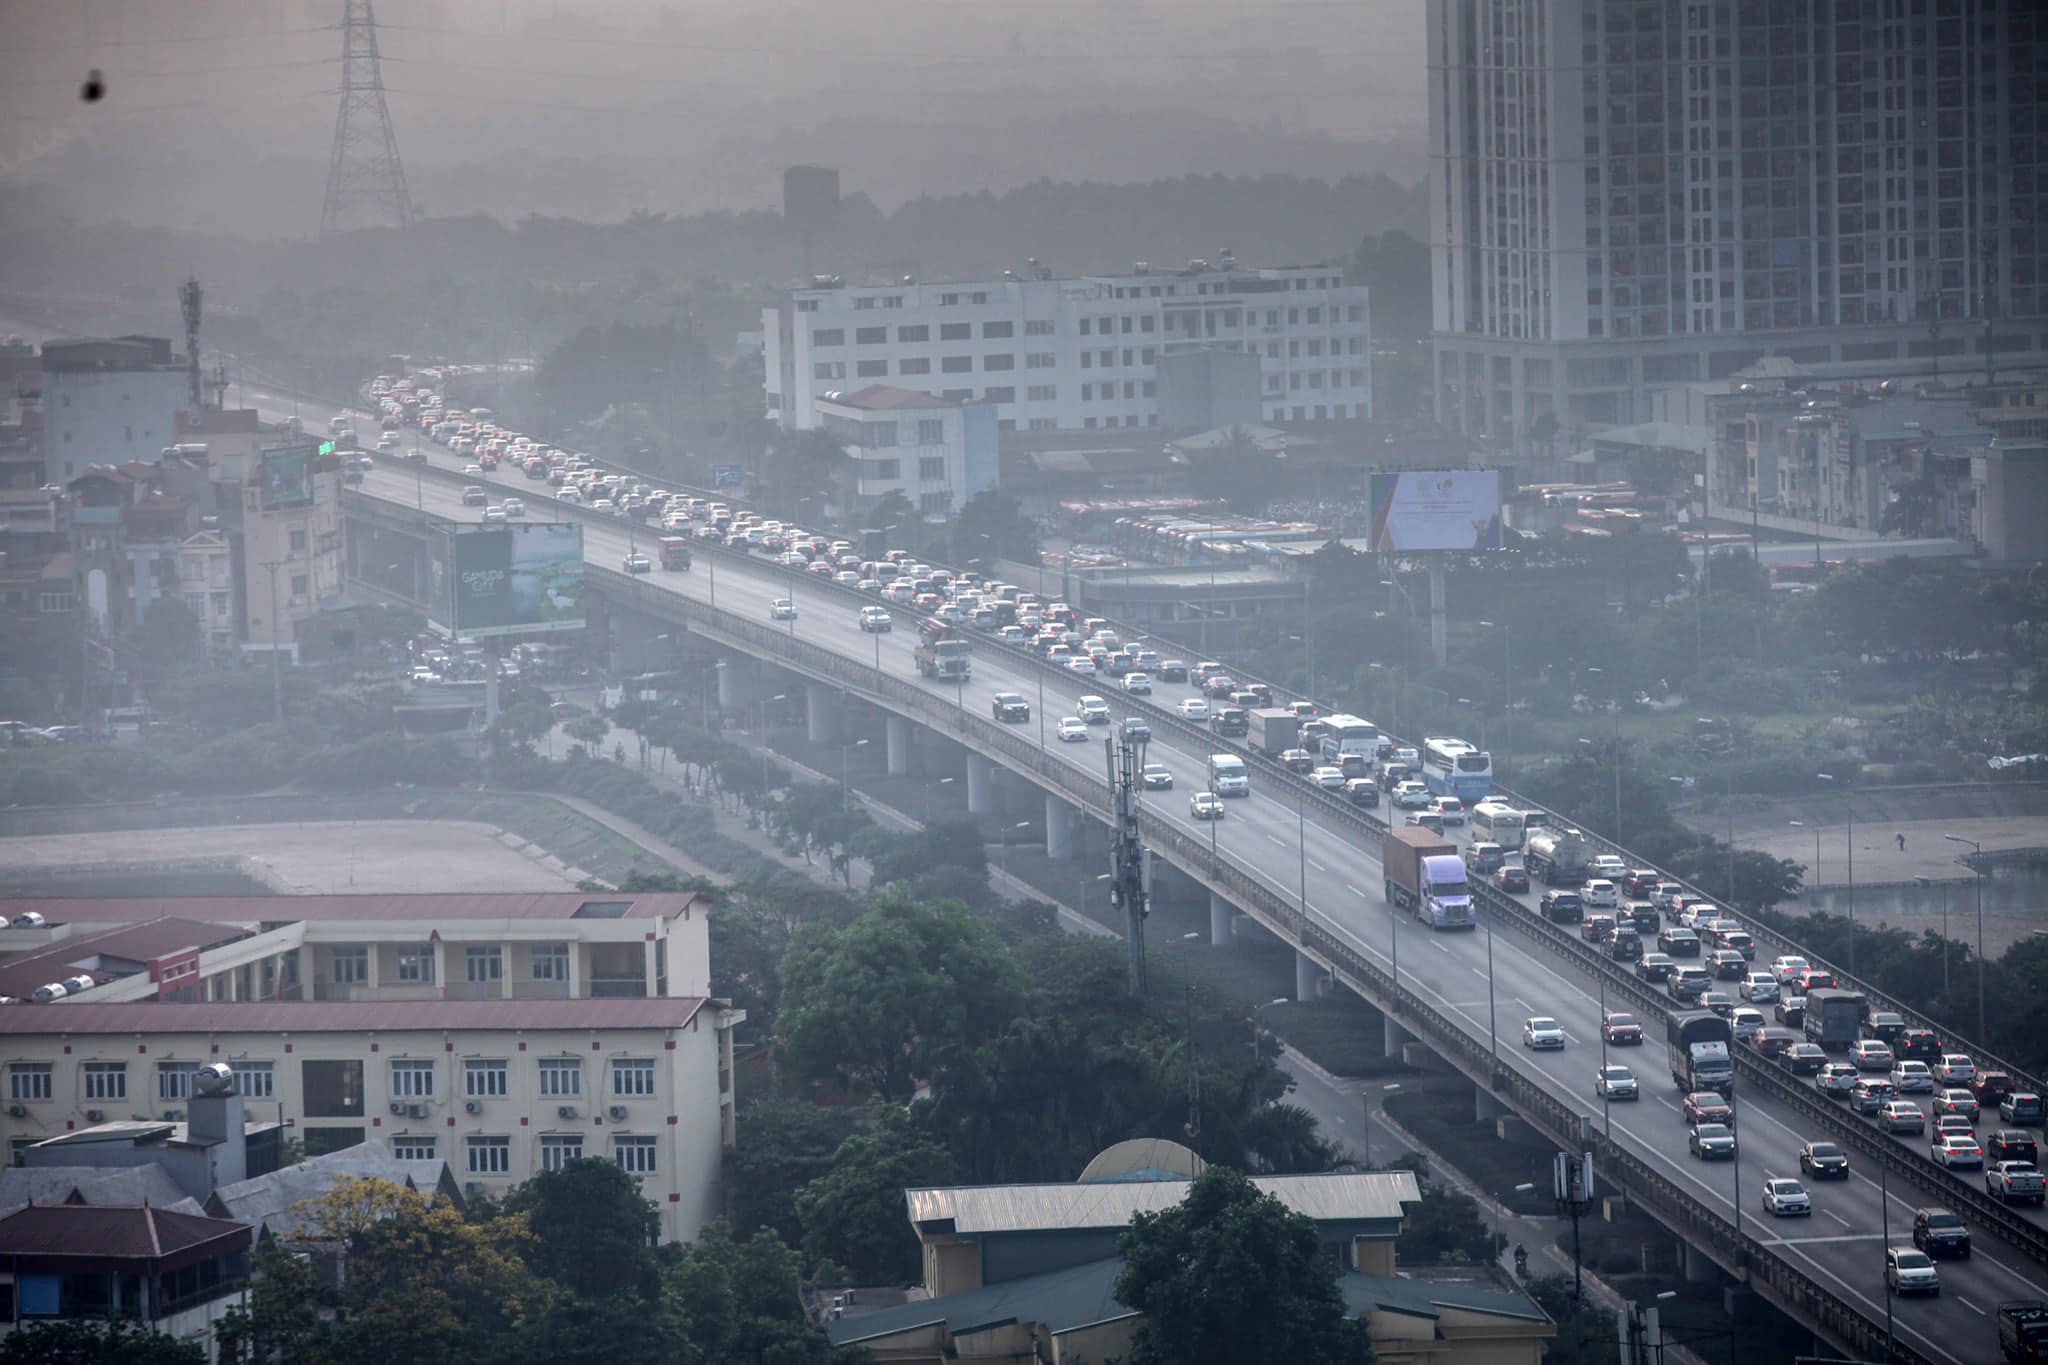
x=346, y=1016
x=118, y=1231
x=21, y=973
x=424, y=908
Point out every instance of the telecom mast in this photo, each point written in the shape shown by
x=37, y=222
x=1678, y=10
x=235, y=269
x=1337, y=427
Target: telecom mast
x=1130, y=862
x=365, y=180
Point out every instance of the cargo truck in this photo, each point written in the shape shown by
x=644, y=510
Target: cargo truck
x=675, y=552
x=1424, y=874
x=1273, y=730
x=2023, y=1330
x=1834, y=1018
x=1560, y=857
x=1700, y=1042
x=942, y=653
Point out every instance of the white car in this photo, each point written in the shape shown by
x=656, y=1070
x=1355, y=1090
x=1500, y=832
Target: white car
x=1206, y=806
x=1449, y=809
x=1787, y=969
x=1072, y=729
x=782, y=609
x=1912, y=1078
x=1330, y=779
x=1610, y=866
x=1081, y=663
x=388, y=441
x=494, y=514
x=1761, y=988
x=1094, y=710
x=1411, y=796
x=1138, y=684
x=1616, y=1083
x=1600, y=894
x=1955, y=1069
x=1786, y=1198
x=638, y=563
x=515, y=507
x=1956, y=1149
x=472, y=471
x=1194, y=708
x=1542, y=1033
x=1747, y=1021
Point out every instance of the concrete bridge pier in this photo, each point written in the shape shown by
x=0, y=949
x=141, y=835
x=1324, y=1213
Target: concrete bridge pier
x=980, y=775
x=818, y=713
x=735, y=681
x=1059, y=827
x=897, y=730
x=1308, y=977
x=1485, y=1106
x=1699, y=1267
x=1392, y=1036
x=1219, y=921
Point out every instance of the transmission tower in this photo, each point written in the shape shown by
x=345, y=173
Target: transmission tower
x=1130, y=862
x=365, y=181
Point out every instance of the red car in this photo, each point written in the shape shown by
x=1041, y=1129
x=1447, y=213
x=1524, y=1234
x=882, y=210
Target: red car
x=1304, y=709
x=1620, y=1029
x=1297, y=760
x=1640, y=883
x=1704, y=1106
x=1511, y=879
x=1814, y=977
x=1222, y=685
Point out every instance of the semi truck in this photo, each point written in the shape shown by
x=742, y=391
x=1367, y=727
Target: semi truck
x=1560, y=857
x=1424, y=874
x=942, y=653
x=1700, y=1043
x=675, y=552
x=1273, y=730
x=1834, y=1018
x=2023, y=1330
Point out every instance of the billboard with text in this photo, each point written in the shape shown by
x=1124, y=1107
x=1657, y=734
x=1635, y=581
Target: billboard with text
x=285, y=475
x=1440, y=509
x=513, y=580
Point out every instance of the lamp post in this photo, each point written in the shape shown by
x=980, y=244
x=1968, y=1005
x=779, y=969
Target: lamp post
x=1616, y=756
x=1884, y=1205
x=1927, y=882
x=1003, y=847
x=1815, y=879
x=1301, y=836
x=942, y=782
x=1365, y=1129
x=846, y=750
x=1976, y=859
x=1492, y=1016
x=1848, y=815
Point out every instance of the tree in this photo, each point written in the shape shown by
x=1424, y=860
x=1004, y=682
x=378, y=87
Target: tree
x=1444, y=1225
x=782, y=1146
x=1228, y=1277
x=588, y=730
x=591, y=1229
x=853, y=1215
x=743, y=1302
x=990, y=526
x=283, y=1319
x=96, y=1343
x=883, y=1001
x=1576, y=1322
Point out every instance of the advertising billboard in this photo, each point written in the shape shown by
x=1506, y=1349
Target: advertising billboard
x=1440, y=509
x=726, y=476
x=515, y=580
x=286, y=477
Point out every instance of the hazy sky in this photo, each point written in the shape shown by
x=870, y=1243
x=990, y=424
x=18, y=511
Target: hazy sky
x=220, y=113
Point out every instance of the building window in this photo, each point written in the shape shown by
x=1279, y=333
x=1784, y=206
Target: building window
x=483, y=965
x=932, y=469
x=416, y=965
x=1002, y=394
x=1040, y=360
x=948, y=300
x=956, y=331
x=174, y=1080
x=935, y=504
x=931, y=431
x=913, y=367
x=106, y=1081
x=256, y=1080
x=29, y=1081
x=559, y=1149
x=829, y=369
x=298, y=539
x=550, y=962
x=632, y=1075
x=880, y=469
x=299, y=586
x=414, y=1147
x=489, y=1155
x=1042, y=327
x=979, y=296
x=996, y=329
x=412, y=1080
x=484, y=1080
x=870, y=336
x=332, y=1090
x=956, y=364
x=919, y=332
x=871, y=369
x=561, y=1076
x=1042, y=393
x=635, y=1154
x=351, y=966
x=829, y=336
x=999, y=362
x=862, y=304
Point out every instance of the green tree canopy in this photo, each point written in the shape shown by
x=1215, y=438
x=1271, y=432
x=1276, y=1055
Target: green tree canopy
x=591, y=1228
x=1230, y=1277
x=854, y=1217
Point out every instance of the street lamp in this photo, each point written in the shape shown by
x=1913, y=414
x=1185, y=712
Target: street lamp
x=1003, y=847
x=1365, y=1129
x=1617, y=766
x=1927, y=882
x=928, y=800
x=1499, y=1212
x=1849, y=815
x=1975, y=860
x=845, y=751
x=1815, y=879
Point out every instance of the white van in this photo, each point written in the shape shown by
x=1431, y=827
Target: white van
x=1228, y=776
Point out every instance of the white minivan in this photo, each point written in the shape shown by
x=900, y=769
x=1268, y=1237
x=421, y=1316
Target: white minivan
x=1228, y=776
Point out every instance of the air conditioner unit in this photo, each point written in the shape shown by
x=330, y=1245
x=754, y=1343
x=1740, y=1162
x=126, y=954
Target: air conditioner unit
x=617, y=1111
x=19, y=1111
x=397, y=1109
x=95, y=1115
x=473, y=1106
x=565, y=1111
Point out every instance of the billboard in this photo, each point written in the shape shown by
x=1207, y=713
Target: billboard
x=515, y=580
x=726, y=476
x=286, y=477
x=1440, y=509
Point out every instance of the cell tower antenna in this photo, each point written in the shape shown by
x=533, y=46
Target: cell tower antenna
x=189, y=299
x=365, y=180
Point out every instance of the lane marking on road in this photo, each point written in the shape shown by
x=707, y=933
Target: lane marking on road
x=1837, y=1217
x=1317, y=866
x=1439, y=947
x=1354, y=890
x=1818, y=1241
x=1971, y=1306
x=1278, y=840
x=1478, y=973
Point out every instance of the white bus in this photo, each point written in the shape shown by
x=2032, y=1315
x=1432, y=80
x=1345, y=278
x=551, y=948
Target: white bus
x=1453, y=767
x=1496, y=823
x=1348, y=735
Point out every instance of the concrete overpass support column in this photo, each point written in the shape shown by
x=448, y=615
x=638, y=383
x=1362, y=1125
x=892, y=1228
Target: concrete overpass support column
x=898, y=730
x=1308, y=977
x=818, y=715
x=1059, y=828
x=1219, y=921
x=1393, y=1036
x=1699, y=1267
x=732, y=685
x=980, y=779
x=1485, y=1108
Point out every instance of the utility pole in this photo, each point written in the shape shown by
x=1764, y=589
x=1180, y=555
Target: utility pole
x=1573, y=1179
x=276, y=641
x=365, y=179
x=1130, y=862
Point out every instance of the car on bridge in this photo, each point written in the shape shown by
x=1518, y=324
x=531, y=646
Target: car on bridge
x=1331, y=778
x=2021, y=1106
x=1194, y=708
x=515, y=507
x=1786, y=1198
x=1009, y=706
x=1136, y=730
x=1094, y=710
x=1449, y=809
x=1708, y=1106
x=1640, y=882
x=1910, y=1272
x=1955, y=1149
x=1912, y=1078
x=2016, y=1182
x=1621, y=1029
x=1138, y=684
x=782, y=609
x=877, y=621
x=1206, y=806
x=1561, y=907
x=1805, y=1059
x=474, y=497
x=1711, y=1142
x=1824, y=1161
x=1837, y=1080
x=1760, y=988
x=1787, y=969
x=1938, y=1232
x=1171, y=671
x=1072, y=729
x=1512, y=877
x=1954, y=1069
x=1956, y=1101
x=1901, y=1116
x=1656, y=968
x=1616, y=1083
x=1157, y=777
x=1867, y=1054
x=638, y=563
x=1542, y=1033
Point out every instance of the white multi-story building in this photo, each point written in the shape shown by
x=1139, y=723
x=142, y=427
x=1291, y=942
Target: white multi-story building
x=1632, y=194
x=934, y=451
x=503, y=1034
x=108, y=401
x=1078, y=354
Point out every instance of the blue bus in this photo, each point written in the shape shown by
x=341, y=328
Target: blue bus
x=1452, y=767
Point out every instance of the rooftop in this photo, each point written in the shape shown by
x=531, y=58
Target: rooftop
x=1340, y=1197
x=117, y=1232
x=347, y=1016
x=274, y=1202
x=423, y=909
x=886, y=397
x=110, y=952
x=146, y=1184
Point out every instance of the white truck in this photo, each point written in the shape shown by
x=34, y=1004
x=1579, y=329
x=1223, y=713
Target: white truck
x=1228, y=775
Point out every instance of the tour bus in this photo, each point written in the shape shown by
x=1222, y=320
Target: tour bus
x=1453, y=767
x=1495, y=822
x=1347, y=735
